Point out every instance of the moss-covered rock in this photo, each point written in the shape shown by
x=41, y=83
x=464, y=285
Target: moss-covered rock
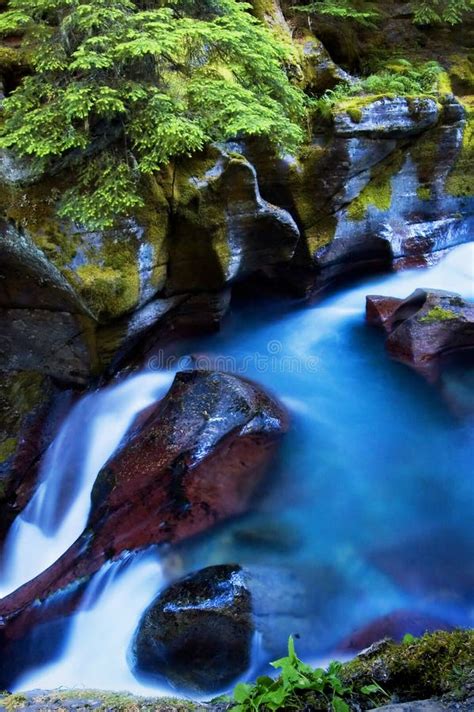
x=85, y=700
x=26, y=428
x=223, y=230
x=460, y=183
x=437, y=664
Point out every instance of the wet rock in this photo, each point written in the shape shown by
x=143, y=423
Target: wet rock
x=44, y=326
x=224, y=230
x=424, y=327
x=320, y=71
x=393, y=626
x=198, y=633
x=196, y=459
x=31, y=408
x=379, y=310
x=388, y=118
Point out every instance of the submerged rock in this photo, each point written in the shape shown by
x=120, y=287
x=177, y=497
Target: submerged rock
x=394, y=626
x=198, y=633
x=194, y=459
x=424, y=327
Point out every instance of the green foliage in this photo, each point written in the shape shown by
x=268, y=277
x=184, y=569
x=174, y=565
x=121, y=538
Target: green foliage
x=122, y=87
x=408, y=639
x=295, y=677
x=398, y=77
x=425, y=12
x=437, y=11
x=362, y=11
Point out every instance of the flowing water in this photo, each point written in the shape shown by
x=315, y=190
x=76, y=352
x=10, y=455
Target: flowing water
x=369, y=509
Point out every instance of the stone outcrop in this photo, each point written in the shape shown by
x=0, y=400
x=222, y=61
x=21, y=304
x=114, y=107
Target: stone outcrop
x=194, y=460
x=424, y=328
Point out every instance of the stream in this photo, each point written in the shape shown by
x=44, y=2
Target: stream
x=369, y=505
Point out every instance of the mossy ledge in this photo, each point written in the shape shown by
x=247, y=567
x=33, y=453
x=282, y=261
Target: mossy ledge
x=438, y=665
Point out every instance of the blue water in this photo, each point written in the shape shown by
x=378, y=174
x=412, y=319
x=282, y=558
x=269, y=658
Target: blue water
x=368, y=509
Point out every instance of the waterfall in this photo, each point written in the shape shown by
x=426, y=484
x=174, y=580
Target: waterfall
x=57, y=513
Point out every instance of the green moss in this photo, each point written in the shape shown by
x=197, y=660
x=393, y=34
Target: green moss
x=444, y=84
x=13, y=702
x=425, y=154
x=460, y=182
x=430, y=666
x=423, y=192
x=356, y=114
x=378, y=192
x=7, y=448
x=438, y=314
x=354, y=106
x=107, y=290
x=461, y=74
x=321, y=233
x=93, y=699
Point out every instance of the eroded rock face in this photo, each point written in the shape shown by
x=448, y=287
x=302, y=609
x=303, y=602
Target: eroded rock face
x=197, y=634
x=44, y=326
x=194, y=460
x=224, y=230
x=424, y=327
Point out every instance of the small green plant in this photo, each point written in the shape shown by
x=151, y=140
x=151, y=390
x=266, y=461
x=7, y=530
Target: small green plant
x=452, y=12
x=295, y=677
x=408, y=639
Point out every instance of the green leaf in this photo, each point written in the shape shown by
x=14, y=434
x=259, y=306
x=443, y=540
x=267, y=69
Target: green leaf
x=370, y=689
x=242, y=692
x=338, y=705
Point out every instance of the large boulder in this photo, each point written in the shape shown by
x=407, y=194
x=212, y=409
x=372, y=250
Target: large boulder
x=192, y=460
x=198, y=633
x=424, y=327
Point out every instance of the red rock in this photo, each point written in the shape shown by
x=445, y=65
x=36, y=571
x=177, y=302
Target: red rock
x=394, y=625
x=197, y=459
x=424, y=328
x=380, y=310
